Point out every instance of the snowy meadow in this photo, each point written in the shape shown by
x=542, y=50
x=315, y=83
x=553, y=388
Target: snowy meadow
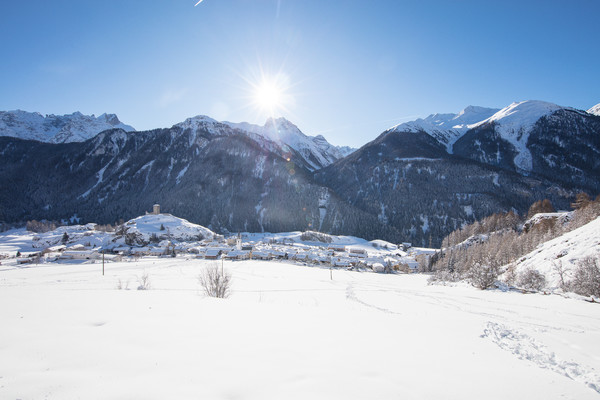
x=287, y=331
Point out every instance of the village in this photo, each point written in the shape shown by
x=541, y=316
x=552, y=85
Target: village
x=159, y=234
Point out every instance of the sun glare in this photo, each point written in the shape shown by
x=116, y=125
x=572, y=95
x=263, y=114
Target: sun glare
x=267, y=93
x=269, y=96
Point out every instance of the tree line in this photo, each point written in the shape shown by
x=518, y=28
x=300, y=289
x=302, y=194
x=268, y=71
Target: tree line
x=483, y=251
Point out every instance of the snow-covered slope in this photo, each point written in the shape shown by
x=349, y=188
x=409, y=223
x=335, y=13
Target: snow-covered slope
x=567, y=250
x=515, y=122
x=447, y=128
x=595, y=110
x=74, y=127
x=166, y=226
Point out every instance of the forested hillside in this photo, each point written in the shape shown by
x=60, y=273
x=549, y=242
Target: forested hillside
x=493, y=249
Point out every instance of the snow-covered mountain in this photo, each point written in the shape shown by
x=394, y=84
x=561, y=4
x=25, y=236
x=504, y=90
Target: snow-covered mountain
x=277, y=135
x=447, y=128
x=228, y=181
x=594, y=110
x=205, y=124
x=528, y=137
x=316, y=151
x=431, y=174
x=514, y=124
x=415, y=182
x=51, y=128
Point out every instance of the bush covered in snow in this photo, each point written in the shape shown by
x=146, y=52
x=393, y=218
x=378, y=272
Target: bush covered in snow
x=531, y=279
x=586, y=279
x=483, y=275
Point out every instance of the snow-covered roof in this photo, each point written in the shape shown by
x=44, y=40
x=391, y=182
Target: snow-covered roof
x=212, y=252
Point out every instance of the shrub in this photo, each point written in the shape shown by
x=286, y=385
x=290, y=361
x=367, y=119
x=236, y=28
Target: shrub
x=483, y=275
x=443, y=276
x=214, y=282
x=122, y=286
x=586, y=279
x=531, y=279
x=144, y=282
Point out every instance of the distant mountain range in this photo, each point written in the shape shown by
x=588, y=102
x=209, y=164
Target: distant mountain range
x=74, y=127
x=416, y=182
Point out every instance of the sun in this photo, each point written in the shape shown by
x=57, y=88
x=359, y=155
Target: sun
x=267, y=92
x=269, y=96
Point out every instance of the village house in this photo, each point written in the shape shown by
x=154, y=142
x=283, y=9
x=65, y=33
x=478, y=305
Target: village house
x=80, y=255
x=140, y=251
x=237, y=255
x=261, y=255
x=340, y=262
x=212, y=253
x=357, y=250
x=158, y=251
x=337, y=247
x=123, y=250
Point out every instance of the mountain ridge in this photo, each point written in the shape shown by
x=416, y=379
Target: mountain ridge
x=75, y=127
x=403, y=186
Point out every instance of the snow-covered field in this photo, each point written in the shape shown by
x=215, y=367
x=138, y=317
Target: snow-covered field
x=288, y=331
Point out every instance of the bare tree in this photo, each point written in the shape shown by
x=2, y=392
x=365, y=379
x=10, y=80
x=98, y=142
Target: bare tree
x=214, y=282
x=510, y=276
x=560, y=270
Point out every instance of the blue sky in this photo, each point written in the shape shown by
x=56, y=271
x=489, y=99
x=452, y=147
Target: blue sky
x=347, y=69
